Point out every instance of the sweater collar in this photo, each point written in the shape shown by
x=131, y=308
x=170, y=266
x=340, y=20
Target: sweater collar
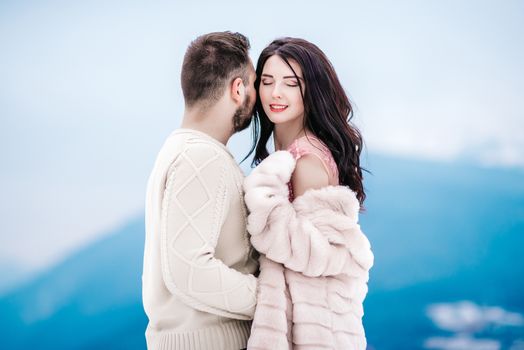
x=204, y=136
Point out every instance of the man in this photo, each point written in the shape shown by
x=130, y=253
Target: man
x=199, y=291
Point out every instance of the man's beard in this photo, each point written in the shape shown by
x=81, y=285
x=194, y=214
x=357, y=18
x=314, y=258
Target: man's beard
x=243, y=115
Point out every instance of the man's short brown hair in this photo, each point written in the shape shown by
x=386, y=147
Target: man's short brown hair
x=211, y=61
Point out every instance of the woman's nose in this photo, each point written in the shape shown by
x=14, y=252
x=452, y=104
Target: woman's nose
x=276, y=91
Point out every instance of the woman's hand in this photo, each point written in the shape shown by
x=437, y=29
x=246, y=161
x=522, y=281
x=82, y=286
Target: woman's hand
x=270, y=177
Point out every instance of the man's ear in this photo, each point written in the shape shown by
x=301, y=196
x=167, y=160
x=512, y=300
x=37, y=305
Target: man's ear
x=238, y=91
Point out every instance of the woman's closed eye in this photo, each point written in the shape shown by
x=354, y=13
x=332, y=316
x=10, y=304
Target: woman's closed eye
x=288, y=83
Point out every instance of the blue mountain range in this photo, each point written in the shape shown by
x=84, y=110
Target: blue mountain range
x=92, y=300
x=441, y=233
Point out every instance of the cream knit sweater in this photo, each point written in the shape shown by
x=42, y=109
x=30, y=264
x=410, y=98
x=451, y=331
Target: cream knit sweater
x=198, y=287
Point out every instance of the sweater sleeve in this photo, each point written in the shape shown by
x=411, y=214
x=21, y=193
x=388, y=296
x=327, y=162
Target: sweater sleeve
x=195, y=205
x=296, y=240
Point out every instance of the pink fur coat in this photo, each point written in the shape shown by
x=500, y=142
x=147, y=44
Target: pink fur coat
x=314, y=264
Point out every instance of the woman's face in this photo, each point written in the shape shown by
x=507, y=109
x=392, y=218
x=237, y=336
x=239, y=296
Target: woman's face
x=279, y=91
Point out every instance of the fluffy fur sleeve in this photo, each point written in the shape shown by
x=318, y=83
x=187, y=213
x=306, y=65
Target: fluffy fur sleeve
x=318, y=234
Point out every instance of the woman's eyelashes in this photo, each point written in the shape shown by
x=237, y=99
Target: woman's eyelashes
x=290, y=83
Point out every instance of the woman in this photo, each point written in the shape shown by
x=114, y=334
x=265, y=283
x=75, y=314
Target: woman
x=304, y=201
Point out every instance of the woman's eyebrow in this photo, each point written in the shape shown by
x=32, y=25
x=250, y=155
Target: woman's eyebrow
x=286, y=77
x=293, y=77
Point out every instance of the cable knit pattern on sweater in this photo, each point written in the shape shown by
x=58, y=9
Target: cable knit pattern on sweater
x=313, y=277
x=195, y=207
x=198, y=284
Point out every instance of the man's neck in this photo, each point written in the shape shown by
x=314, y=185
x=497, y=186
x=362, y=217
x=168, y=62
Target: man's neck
x=210, y=122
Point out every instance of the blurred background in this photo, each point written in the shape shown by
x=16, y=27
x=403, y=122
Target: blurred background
x=90, y=90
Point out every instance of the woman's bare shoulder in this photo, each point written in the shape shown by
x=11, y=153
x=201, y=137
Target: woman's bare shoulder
x=309, y=173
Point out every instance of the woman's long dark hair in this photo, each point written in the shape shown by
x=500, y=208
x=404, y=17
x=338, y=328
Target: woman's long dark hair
x=327, y=110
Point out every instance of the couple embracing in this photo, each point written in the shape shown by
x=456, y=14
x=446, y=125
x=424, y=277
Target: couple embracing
x=275, y=260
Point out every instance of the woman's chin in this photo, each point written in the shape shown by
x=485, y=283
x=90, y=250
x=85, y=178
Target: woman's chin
x=279, y=118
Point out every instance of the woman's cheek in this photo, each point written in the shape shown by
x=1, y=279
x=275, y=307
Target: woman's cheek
x=263, y=95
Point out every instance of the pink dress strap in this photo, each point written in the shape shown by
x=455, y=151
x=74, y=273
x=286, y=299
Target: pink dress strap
x=312, y=145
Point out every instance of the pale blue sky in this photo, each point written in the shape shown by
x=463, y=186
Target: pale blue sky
x=89, y=91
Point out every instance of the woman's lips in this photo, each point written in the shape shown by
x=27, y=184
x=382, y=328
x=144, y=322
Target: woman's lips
x=277, y=108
